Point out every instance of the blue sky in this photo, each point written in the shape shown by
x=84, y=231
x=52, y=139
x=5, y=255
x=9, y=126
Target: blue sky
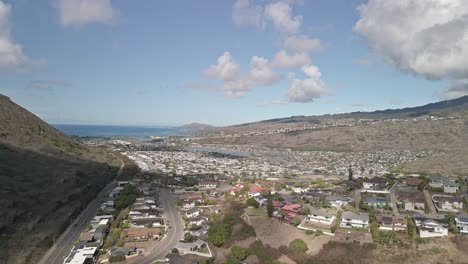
x=175, y=62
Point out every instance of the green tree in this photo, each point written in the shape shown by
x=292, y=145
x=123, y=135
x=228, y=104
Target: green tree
x=219, y=234
x=240, y=253
x=296, y=221
x=298, y=245
x=270, y=208
x=452, y=223
x=305, y=210
x=252, y=202
x=411, y=227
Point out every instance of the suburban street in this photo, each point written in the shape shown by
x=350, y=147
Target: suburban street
x=173, y=235
x=393, y=200
x=63, y=245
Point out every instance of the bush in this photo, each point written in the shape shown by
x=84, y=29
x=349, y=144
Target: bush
x=318, y=233
x=296, y=221
x=219, y=234
x=175, y=251
x=298, y=245
x=116, y=258
x=240, y=253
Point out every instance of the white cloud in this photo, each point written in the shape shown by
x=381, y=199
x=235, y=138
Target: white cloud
x=11, y=53
x=232, y=82
x=284, y=59
x=425, y=37
x=455, y=89
x=302, y=43
x=226, y=69
x=82, y=12
x=261, y=72
x=280, y=14
x=246, y=13
x=306, y=90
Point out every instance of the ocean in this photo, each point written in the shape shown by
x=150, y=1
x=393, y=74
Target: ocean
x=137, y=132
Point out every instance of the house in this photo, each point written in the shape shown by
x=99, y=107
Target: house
x=192, y=213
x=413, y=182
x=100, y=232
x=437, y=181
x=145, y=222
x=197, y=221
x=350, y=219
x=186, y=248
x=414, y=203
x=188, y=204
x=375, y=184
x=431, y=227
x=376, y=201
x=87, y=237
x=448, y=203
x=113, y=251
x=207, y=185
x=291, y=211
x=450, y=186
x=394, y=223
x=142, y=233
x=277, y=205
x=338, y=201
x=300, y=189
x=101, y=220
x=256, y=190
x=322, y=216
x=462, y=224
x=237, y=188
x=82, y=254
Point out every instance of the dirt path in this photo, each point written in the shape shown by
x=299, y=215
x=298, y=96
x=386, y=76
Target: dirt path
x=429, y=202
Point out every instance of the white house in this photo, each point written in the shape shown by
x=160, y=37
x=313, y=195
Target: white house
x=450, y=186
x=431, y=227
x=375, y=184
x=462, y=223
x=338, y=201
x=322, y=216
x=350, y=219
x=192, y=213
x=300, y=189
x=448, y=203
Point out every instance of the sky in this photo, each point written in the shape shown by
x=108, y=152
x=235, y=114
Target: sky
x=151, y=63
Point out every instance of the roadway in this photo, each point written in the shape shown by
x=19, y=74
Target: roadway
x=174, y=234
x=64, y=244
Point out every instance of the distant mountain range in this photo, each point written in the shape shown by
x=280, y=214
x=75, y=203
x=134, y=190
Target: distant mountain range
x=46, y=177
x=438, y=108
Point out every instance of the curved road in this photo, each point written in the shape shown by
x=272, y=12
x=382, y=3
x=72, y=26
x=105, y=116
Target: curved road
x=64, y=244
x=174, y=234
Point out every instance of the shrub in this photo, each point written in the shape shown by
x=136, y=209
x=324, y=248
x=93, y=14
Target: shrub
x=296, y=221
x=175, y=251
x=116, y=258
x=240, y=253
x=298, y=245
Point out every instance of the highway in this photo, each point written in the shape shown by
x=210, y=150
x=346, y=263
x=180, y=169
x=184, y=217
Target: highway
x=64, y=244
x=174, y=234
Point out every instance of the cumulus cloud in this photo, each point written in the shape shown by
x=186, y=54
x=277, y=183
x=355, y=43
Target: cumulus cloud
x=82, y=12
x=455, y=89
x=11, y=53
x=261, y=72
x=302, y=43
x=280, y=14
x=226, y=69
x=425, y=37
x=245, y=12
x=308, y=89
x=232, y=82
x=284, y=59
